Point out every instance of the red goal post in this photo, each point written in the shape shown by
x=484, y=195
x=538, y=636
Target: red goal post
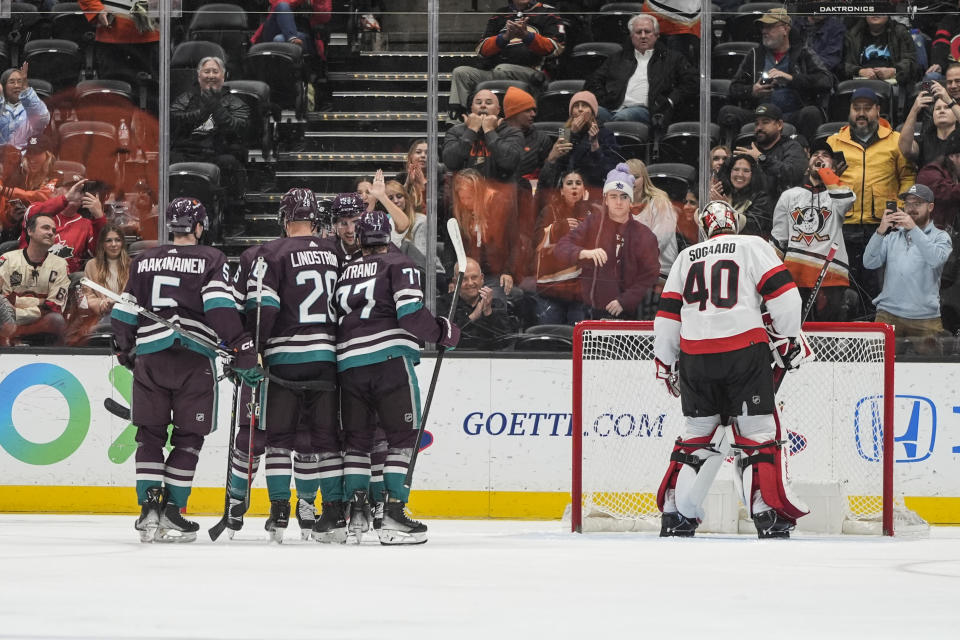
x=837, y=413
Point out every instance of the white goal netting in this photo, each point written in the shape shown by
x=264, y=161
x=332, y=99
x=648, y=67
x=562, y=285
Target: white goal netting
x=832, y=411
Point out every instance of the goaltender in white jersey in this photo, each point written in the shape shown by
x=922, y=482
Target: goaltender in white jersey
x=712, y=348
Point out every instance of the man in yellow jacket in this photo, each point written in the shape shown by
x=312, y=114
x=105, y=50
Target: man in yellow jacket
x=877, y=172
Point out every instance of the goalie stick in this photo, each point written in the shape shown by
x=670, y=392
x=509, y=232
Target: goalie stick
x=453, y=230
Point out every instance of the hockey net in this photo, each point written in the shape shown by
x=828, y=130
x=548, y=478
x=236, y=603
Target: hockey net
x=837, y=413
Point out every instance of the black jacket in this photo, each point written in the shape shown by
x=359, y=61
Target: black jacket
x=228, y=114
x=812, y=81
x=752, y=201
x=668, y=72
x=902, y=49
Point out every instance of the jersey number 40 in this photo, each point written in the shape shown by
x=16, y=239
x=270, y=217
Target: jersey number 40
x=724, y=284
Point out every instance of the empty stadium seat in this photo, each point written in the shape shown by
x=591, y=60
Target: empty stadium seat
x=65, y=170
x=280, y=65
x=554, y=103
x=105, y=100
x=743, y=24
x=550, y=127
x=719, y=96
x=610, y=25
x=681, y=142
x=256, y=95
x=69, y=22
x=93, y=144
x=59, y=62
x=633, y=138
x=225, y=24
x=200, y=180
x=674, y=178
x=728, y=56
x=587, y=57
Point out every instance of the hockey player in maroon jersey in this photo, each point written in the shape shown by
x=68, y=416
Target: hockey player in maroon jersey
x=346, y=210
x=380, y=331
x=713, y=350
x=298, y=335
x=174, y=378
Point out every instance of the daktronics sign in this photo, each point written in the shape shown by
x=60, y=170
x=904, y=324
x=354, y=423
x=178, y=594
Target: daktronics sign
x=915, y=418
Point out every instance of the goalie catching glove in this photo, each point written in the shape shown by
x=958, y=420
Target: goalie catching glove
x=790, y=353
x=244, y=369
x=670, y=377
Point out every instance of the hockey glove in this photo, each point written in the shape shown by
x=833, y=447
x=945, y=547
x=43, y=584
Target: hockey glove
x=449, y=333
x=670, y=377
x=124, y=357
x=245, y=367
x=790, y=353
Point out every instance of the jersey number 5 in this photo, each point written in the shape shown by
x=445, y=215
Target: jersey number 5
x=724, y=284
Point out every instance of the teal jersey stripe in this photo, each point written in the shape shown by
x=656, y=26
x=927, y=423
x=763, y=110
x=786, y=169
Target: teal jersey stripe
x=219, y=303
x=123, y=316
x=268, y=301
x=407, y=309
x=379, y=356
x=301, y=357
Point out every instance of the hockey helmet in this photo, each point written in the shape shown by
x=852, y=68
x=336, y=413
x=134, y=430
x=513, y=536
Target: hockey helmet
x=718, y=217
x=298, y=204
x=184, y=214
x=373, y=229
x=348, y=205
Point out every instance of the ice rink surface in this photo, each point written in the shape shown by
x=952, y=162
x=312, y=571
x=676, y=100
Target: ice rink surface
x=89, y=577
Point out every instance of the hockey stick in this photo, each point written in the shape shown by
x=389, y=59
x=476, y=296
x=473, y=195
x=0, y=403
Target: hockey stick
x=453, y=230
x=116, y=408
x=215, y=531
x=259, y=271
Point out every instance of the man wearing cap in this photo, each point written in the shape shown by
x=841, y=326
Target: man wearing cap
x=782, y=71
x=519, y=39
x=484, y=141
x=878, y=48
x=781, y=160
x=876, y=171
x=912, y=252
x=22, y=113
x=807, y=220
x=649, y=82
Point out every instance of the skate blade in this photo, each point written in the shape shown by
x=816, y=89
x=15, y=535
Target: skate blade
x=336, y=536
x=147, y=535
x=305, y=533
x=391, y=537
x=175, y=536
x=354, y=536
x=276, y=535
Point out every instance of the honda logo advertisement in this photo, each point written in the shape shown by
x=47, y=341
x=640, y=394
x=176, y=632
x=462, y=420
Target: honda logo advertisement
x=915, y=420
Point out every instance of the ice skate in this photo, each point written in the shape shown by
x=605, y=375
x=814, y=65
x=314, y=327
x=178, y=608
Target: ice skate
x=174, y=527
x=377, y=515
x=359, y=521
x=771, y=525
x=398, y=528
x=306, y=517
x=676, y=525
x=278, y=520
x=331, y=526
x=235, y=516
x=149, y=519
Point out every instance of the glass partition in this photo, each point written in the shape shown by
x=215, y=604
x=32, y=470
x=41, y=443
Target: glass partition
x=536, y=109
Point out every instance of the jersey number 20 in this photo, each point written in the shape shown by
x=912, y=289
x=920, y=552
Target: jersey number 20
x=724, y=284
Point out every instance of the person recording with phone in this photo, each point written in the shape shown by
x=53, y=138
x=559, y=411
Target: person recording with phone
x=78, y=215
x=912, y=252
x=939, y=114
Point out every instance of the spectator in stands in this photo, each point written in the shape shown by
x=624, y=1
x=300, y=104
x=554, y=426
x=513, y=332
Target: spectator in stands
x=519, y=111
x=824, y=34
x=878, y=48
x=912, y=252
x=647, y=83
x=718, y=155
x=782, y=161
x=109, y=267
x=280, y=25
x=485, y=211
x=208, y=124
x=592, y=149
x=35, y=283
x=617, y=255
x=952, y=80
x=558, y=295
x=935, y=135
x=688, y=227
x=740, y=183
x=23, y=115
x=374, y=192
x=484, y=142
x=34, y=182
x=414, y=178
x=78, y=216
x=875, y=170
x=653, y=208
x=516, y=43
x=783, y=72
x=482, y=318
x=943, y=177
x=807, y=220
x=128, y=40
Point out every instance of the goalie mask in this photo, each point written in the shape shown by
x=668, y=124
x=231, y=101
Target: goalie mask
x=373, y=229
x=184, y=214
x=718, y=217
x=298, y=204
x=348, y=205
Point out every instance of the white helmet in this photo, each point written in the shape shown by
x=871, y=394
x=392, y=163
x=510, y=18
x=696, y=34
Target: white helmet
x=718, y=217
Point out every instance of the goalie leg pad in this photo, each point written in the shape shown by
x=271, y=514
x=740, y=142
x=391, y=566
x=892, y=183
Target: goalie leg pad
x=694, y=464
x=760, y=463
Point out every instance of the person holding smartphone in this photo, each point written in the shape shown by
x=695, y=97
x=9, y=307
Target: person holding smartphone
x=939, y=113
x=585, y=146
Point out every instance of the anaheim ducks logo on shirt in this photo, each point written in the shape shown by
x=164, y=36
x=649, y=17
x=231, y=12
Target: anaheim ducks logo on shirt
x=809, y=222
